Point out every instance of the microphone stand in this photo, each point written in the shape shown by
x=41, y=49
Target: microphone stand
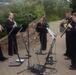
x=28, y=67
x=27, y=49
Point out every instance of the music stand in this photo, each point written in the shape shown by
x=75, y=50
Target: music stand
x=40, y=69
x=16, y=30
x=49, y=53
x=28, y=51
x=23, y=30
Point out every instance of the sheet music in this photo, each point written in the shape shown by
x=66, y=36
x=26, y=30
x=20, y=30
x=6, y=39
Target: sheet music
x=51, y=33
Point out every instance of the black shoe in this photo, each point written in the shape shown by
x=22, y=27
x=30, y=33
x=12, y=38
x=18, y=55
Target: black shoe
x=72, y=68
x=15, y=52
x=44, y=49
x=67, y=58
x=1, y=59
x=71, y=65
x=65, y=54
x=5, y=58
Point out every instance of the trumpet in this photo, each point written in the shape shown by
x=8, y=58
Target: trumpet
x=65, y=29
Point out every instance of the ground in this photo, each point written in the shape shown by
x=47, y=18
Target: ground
x=62, y=65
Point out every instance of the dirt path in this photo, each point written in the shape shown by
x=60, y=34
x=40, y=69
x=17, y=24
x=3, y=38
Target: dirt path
x=62, y=65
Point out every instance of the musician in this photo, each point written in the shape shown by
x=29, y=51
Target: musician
x=41, y=29
x=72, y=27
x=64, y=23
x=2, y=58
x=12, y=43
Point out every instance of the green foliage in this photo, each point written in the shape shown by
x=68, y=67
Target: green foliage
x=73, y=5
x=20, y=10
x=53, y=9
x=54, y=17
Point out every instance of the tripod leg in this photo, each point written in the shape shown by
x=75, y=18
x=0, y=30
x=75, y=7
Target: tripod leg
x=21, y=71
x=25, y=46
x=24, y=43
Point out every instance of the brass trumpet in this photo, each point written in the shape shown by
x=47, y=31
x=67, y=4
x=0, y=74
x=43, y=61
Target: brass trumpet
x=65, y=29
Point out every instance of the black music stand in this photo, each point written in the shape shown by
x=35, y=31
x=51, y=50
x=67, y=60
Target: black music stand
x=28, y=49
x=16, y=30
x=40, y=69
x=28, y=67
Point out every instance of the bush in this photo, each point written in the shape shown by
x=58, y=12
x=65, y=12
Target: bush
x=54, y=17
x=20, y=10
x=53, y=9
x=73, y=5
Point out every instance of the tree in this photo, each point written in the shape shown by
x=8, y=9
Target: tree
x=55, y=9
x=5, y=0
x=73, y=5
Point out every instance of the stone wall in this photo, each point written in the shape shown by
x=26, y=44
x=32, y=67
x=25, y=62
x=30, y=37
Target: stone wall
x=22, y=38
